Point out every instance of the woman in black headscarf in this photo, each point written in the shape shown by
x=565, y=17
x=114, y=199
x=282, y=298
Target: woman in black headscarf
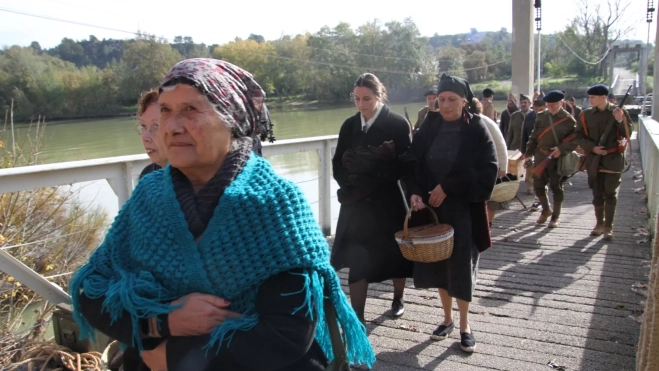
x=455, y=174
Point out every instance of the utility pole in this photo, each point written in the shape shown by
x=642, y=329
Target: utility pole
x=538, y=27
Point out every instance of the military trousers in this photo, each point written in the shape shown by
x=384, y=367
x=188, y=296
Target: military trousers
x=606, y=189
x=549, y=177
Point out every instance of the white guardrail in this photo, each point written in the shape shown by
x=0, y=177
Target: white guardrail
x=118, y=171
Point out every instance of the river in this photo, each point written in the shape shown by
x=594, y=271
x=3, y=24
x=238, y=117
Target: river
x=85, y=139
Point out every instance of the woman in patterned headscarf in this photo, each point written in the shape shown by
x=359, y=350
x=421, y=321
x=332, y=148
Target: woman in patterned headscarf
x=215, y=256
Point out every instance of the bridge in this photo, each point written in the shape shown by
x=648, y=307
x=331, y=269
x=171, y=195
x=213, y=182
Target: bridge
x=545, y=299
x=543, y=295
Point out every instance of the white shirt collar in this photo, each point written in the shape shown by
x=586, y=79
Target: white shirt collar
x=367, y=124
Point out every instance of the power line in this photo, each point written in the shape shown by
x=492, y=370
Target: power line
x=385, y=56
x=138, y=34
x=361, y=67
x=66, y=21
x=577, y=55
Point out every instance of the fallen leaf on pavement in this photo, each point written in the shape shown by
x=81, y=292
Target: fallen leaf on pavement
x=638, y=319
x=408, y=328
x=553, y=365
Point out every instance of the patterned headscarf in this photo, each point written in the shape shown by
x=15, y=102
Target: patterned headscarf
x=237, y=97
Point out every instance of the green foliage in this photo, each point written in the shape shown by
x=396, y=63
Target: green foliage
x=98, y=77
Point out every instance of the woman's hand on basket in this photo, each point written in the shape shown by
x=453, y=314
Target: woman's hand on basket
x=199, y=315
x=417, y=203
x=437, y=196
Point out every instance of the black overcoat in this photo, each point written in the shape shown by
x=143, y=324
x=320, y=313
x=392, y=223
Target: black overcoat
x=365, y=230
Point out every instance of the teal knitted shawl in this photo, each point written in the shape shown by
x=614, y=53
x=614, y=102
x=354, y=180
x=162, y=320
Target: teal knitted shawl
x=262, y=226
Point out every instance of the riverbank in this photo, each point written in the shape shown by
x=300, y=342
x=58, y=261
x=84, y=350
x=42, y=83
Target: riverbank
x=573, y=86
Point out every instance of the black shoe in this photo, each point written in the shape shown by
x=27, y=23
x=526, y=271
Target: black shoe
x=442, y=332
x=467, y=342
x=397, y=307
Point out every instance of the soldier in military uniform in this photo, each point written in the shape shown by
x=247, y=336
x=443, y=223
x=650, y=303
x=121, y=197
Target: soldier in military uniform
x=514, y=132
x=430, y=95
x=576, y=110
x=542, y=143
x=488, y=106
x=593, y=123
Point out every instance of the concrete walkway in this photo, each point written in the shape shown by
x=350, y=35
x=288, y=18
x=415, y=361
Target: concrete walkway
x=542, y=295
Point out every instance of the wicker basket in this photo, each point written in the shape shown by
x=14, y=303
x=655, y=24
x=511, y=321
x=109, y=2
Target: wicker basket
x=505, y=191
x=427, y=243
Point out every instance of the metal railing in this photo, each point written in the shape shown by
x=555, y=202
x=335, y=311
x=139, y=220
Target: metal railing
x=648, y=347
x=648, y=142
x=118, y=171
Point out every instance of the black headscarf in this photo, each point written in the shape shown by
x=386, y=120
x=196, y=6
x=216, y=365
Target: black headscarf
x=456, y=85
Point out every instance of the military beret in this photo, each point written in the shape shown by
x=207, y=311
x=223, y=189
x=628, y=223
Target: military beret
x=524, y=97
x=612, y=96
x=554, y=96
x=599, y=89
x=432, y=91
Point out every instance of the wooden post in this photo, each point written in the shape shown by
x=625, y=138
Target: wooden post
x=11, y=122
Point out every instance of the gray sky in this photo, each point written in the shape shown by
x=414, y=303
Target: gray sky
x=212, y=22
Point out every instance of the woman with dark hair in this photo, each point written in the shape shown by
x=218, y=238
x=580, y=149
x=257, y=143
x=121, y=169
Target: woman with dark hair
x=367, y=165
x=216, y=262
x=455, y=175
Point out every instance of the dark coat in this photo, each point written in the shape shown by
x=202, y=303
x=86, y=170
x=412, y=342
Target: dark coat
x=365, y=230
x=529, y=122
x=473, y=175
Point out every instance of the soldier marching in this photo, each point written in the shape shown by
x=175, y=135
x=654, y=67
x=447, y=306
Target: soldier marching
x=550, y=137
x=600, y=132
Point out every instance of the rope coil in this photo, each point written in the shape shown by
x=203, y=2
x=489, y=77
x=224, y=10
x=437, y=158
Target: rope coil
x=48, y=356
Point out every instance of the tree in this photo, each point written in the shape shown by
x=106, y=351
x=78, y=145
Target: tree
x=599, y=26
x=37, y=48
x=144, y=64
x=258, y=38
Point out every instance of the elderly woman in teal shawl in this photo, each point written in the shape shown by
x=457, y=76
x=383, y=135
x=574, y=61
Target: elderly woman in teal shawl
x=215, y=262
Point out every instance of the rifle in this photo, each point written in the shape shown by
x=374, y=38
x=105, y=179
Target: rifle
x=407, y=116
x=593, y=168
x=537, y=171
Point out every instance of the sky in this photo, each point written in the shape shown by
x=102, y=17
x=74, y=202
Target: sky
x=218, y=22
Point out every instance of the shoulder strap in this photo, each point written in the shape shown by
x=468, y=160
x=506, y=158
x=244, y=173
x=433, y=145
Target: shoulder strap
x=582, y=118
x=551, y=126
x=553, y=131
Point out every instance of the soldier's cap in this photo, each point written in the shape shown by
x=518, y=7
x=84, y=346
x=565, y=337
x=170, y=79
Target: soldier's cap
x=599, y=89
x=612, y=96
x=487, y=92
x=524, y=97
x=432, y=91
x=572, y=99
x=554, y=96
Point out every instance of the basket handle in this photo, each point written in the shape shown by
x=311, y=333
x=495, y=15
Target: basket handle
x=406, y=234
